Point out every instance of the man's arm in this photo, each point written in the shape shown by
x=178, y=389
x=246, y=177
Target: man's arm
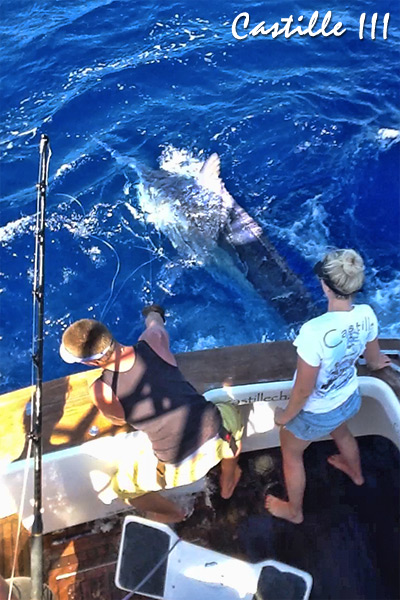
x=156, y=335
x=374, y=357
x=303, y=386
x=106, y=401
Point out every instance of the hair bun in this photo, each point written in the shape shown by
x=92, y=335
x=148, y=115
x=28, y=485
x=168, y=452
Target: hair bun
x=352, y=263
x=345, y=268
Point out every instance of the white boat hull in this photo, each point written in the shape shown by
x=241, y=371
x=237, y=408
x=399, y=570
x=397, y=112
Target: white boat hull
x=75, y=481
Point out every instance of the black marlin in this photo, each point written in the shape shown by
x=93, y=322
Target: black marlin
x=208, y=228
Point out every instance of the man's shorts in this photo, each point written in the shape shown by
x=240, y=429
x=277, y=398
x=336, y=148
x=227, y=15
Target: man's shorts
x=139, y=470
x=311, y=426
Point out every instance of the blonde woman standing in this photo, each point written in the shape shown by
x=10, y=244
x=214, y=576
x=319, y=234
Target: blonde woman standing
x=325, y=393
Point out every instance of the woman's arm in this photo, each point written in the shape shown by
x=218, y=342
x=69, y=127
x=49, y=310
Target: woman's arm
x=374, y=357
x=304, y=384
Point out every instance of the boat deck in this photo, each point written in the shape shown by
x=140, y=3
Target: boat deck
x=347, y=541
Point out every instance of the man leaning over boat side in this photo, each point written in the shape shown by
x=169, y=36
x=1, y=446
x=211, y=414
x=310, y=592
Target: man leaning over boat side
x=182, y=434
x=325, y=393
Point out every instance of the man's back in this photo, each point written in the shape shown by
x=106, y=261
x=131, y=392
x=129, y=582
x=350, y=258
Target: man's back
x=157, y=399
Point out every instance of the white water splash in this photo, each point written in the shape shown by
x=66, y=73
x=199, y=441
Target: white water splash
x=69, y=166
x=16, y=229
x=309, y=233
x=180, y=162
x=389, y=134
x=95, y=255
x=386, y=303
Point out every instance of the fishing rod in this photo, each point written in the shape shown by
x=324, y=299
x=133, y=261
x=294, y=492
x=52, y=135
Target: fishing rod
x=37, y=358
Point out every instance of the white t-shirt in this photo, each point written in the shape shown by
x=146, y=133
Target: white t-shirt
x=333, y=342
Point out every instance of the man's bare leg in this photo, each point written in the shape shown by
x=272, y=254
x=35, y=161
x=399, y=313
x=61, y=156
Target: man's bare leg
x=295, y=479
x=348, y=459
x=230, y=474
x=158, y=508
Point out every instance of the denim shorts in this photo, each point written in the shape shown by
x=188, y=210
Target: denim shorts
x=311, y=426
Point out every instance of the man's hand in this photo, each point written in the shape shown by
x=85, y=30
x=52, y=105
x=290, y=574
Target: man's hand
x=153, y=308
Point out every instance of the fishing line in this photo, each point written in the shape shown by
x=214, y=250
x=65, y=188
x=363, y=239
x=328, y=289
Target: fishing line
x=157, y=252
x=108, y=305
x=154, y=250
x=146, y=238
x=124, y=282
x=95, y=237
x=151, y=282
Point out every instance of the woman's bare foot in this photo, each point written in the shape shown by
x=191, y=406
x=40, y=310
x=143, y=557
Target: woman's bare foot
x=337, y=461
x=281, y=509
x=228, y=481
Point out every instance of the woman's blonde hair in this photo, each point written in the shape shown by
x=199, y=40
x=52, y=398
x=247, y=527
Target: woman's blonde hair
x=345, y=269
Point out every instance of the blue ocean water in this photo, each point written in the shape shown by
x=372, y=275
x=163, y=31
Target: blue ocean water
x=305, y=129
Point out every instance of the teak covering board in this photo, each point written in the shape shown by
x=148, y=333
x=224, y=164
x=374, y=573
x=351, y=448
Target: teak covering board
x=68, y=414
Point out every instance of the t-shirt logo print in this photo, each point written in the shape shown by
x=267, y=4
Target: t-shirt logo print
x=333, y=342
x=343, y=369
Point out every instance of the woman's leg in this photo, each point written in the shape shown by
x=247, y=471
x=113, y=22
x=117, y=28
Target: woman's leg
x=348, y=459
x=158, y=508
x=295, y=479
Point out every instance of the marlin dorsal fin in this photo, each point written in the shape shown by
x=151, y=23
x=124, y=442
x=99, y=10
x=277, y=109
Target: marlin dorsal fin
x=211, y=169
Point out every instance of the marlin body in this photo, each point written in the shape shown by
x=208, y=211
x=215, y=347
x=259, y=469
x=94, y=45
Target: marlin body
x=208, y=228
